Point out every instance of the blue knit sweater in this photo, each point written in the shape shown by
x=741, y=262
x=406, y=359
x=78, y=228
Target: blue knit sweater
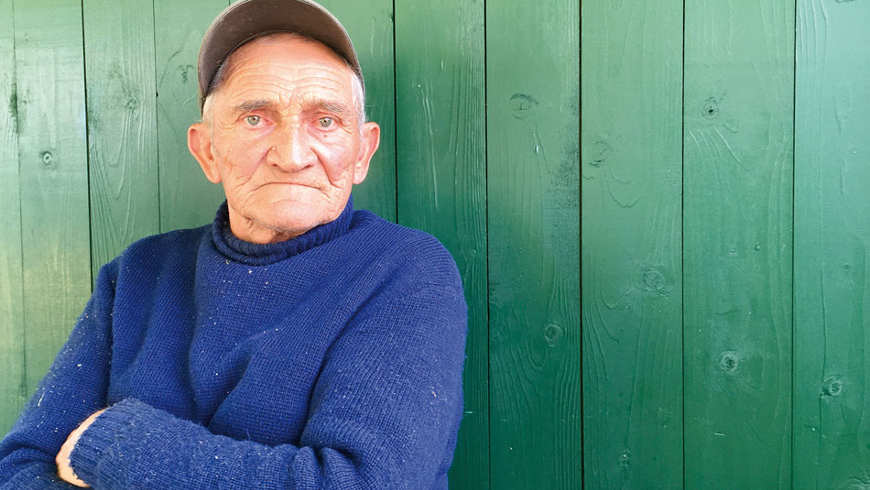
x=332, y=360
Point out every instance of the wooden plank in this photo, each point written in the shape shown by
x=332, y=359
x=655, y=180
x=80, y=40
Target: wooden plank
x=832, y=235
x=632, y=88
x=738, y=161
x=370, y=25
x=12, y=383
x=54, y=178
x=442, y=180
x=533, y=98
x=187, y=199
x=122, y=132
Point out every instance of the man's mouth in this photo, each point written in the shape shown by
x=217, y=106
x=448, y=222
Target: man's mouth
x=289, y=183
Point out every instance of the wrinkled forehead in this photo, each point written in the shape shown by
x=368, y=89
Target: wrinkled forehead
x=288, y=48
x=290, y=71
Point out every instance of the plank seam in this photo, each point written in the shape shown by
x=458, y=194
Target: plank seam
x=395, y=121
x=580, y=230
x=683, y=246
x=156, y=118
x=87, y=147
x=22, y=387
x=793, y=208
x=486, y=245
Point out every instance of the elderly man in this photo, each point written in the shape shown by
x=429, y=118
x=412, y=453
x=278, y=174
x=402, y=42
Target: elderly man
x=292, y=343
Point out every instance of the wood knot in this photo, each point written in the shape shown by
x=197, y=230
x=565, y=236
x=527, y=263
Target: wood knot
x=625, y=459
x=185, y=71
x=552, y=334
x=522, y=104
x=832, y=386
x=729, y=361
x=653, y=279
x=711, y=108
x=601, y=150
x=47, y=160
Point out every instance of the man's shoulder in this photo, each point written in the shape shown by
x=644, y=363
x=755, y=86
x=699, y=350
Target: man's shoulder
x=182, y=243
x=409, y=251
x=152, y=255
x=394, y=239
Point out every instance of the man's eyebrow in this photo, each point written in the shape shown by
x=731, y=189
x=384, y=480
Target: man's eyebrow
x=252, y=105
x=322, y=104
x=328, y=105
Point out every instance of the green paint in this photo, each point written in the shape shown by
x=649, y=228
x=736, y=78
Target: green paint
x=123, y=146
x=737, y=184
x=11, y=297
x=187, y=199
x=441, y=181
x=533, y=207
x=52, y=157
x=13, y=100
x=832, y=235
x=632, y=277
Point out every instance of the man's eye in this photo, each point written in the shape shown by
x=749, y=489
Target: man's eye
x=325, y=122
x=252, y=120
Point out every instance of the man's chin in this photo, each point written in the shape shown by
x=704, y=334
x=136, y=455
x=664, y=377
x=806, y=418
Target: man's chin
x=290, y=221
x=293, y=213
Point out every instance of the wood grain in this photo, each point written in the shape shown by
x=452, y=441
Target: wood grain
x=442, y=180
x=832, y=235
x=533, y=113
x=632, y=214
x=187, y=199
x=49, y=70
x=12, y=383
x=122, y=131
x=738, y=163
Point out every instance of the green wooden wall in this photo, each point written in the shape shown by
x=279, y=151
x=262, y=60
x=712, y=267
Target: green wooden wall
x=659, y=209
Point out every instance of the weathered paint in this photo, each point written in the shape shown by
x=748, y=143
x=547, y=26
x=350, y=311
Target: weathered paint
x=12, y=389
x=533, y=209
x=632, y=273
x=737, y=250
x=122, y=125
x=52, y=158
x=832, y=234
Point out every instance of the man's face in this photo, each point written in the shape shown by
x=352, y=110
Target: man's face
x=284, y=136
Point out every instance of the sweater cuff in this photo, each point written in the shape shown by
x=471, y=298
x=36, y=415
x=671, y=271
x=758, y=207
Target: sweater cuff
x=36, y=476
x=107, y=429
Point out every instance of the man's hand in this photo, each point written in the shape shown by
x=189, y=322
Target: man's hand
x=63, y=456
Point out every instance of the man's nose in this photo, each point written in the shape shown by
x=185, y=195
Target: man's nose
x=290, y=149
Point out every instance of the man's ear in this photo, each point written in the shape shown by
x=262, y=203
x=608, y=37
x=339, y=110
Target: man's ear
x=199, y=144
x=370, y=139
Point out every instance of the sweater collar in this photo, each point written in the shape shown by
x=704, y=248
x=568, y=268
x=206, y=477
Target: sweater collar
x=269, y=253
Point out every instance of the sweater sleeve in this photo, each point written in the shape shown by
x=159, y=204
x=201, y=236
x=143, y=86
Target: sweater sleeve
x=383, y=413
x=73, y=388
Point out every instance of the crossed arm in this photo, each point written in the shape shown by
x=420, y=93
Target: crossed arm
x=344, y=444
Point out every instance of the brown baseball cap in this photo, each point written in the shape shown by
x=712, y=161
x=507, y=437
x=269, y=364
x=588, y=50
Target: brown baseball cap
x=248, y=19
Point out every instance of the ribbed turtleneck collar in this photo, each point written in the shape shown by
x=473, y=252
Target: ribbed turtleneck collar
x=264, y=254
